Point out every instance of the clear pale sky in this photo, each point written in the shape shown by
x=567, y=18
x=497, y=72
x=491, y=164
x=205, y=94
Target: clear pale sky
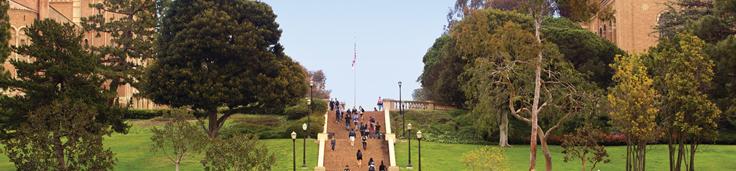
x=392, y=37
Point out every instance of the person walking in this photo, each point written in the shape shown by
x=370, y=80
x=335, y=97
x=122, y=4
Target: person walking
x=380, y=103
x=337, y=116
x=359, y=155
x=378, y=131
x=351, y=134
x=365, y=142
x=332, y=105
x=347, y=168
x=382, y=167
x=347, y=121
x=355, y=119
x=333, y=142
x=371, y=165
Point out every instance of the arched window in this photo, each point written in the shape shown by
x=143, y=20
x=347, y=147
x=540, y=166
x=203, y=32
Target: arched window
x=613, y=29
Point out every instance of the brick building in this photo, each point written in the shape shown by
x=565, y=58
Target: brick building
x=22, y=14
x=632, y=26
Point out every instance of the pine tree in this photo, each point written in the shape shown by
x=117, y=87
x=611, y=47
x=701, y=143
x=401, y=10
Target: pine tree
x=132, y=33
x=4, y=35
x=58, y=120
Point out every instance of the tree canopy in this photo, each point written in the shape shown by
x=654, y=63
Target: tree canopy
x=223, y=54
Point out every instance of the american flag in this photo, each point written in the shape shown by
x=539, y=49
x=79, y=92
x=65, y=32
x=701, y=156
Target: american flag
x=355, y=54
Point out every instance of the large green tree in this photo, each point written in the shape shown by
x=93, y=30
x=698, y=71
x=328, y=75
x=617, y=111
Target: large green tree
x=56, y=115
x=131, y=28
x=500, y=78
x=713, y=21
x=223, y=55
x=589, y=53
x=442, y=66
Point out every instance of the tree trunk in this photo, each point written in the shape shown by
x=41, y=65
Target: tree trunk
x=693, y=148
x=680, y=153
x=535, y=102
x=641, y=157
x=582, y=162
x=503, y=131
x=59, y=153
x=177, y=164
x=545, y=151
x=628, y=154
x=644, y=157
x=671, y=150
x=214, y=127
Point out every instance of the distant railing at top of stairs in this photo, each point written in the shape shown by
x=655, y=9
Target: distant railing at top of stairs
x=416, y=105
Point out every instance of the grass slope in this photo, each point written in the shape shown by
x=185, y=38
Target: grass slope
x=437, y=156
x=133, y=152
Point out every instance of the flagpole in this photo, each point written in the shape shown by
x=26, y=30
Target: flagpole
x=355, y=75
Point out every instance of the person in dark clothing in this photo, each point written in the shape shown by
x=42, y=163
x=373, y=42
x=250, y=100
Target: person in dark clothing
x=332, y=142
x=347, y=122
x=371, y=165
x=378, y=131
x=332, y=105
x=365, y=142
x=380, y=103
x=382, y=167
x=347, y=168
x=337, y=116
x=359, y=155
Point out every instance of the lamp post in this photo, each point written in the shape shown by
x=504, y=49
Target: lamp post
x=293, y=148
x=311, y=87
x=304, y=149
x=408, y=126
x=419, y=138
x=401, y=112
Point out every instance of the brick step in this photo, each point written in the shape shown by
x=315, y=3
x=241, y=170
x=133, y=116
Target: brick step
x=344, y=154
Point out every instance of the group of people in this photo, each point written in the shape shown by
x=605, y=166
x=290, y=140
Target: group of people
x=371, y=164
x=356, y=124
x=335, y=104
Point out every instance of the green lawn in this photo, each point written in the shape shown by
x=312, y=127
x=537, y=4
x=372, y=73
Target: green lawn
x=133, y=152
x=436, y=156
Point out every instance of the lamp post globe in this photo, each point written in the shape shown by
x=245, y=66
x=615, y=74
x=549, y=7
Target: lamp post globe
x=293, y=148
x=408, y=127
x=419, y=138
x=304, y=147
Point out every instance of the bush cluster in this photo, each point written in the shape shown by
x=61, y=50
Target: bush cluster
x=143, y=114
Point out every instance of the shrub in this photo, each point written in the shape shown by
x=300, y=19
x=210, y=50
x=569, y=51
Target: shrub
x=301, y=109
x=240, y=152
x=486, y=158
x=271, y=126
x=142, y=114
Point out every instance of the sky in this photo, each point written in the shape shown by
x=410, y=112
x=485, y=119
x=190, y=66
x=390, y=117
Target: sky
x=392, y=36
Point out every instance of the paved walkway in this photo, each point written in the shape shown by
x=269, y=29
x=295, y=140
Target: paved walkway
x=344, y=154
